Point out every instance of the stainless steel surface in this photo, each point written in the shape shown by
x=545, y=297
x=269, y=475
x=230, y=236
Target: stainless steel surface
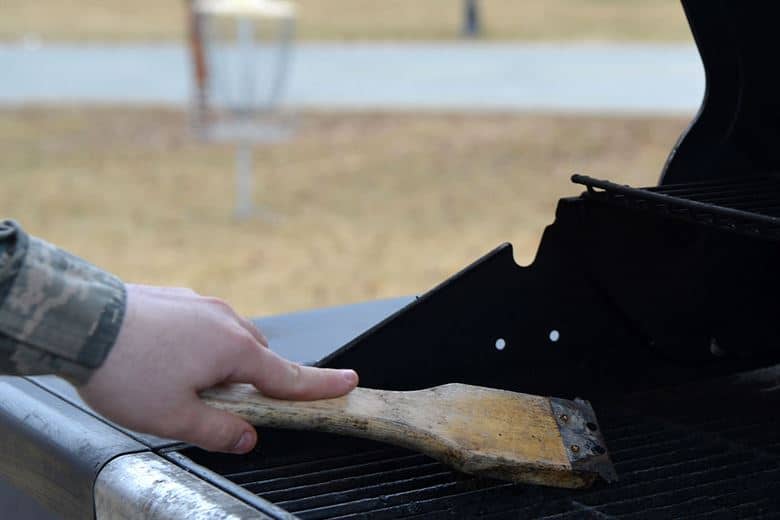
x=67, y=392
x=146, y=486
x=19, y=505
x=51, y=450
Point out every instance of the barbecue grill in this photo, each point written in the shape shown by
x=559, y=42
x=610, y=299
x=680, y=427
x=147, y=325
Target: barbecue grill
x=658, y=304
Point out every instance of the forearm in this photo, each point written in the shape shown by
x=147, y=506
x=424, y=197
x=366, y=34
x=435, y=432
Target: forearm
x=58, y=313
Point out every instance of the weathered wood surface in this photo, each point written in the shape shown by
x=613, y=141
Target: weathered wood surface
x=477, y=430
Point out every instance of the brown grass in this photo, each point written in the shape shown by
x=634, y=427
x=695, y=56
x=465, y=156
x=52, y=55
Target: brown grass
x=113, y=20
x=370, y=205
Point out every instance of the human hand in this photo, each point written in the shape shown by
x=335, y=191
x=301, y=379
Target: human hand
x=174, y=343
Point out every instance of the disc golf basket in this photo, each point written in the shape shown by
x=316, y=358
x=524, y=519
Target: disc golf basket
x=240, y=54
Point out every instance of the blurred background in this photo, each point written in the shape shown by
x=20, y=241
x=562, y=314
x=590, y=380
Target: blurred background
x=418, y=136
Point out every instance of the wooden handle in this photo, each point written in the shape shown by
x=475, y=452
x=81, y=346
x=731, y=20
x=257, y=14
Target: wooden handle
x=506, y=435
x=373, y=414
x=477, y=430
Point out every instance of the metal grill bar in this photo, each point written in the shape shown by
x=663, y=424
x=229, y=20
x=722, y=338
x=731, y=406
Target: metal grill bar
x=716, y=183
x=362, y=481
x=427, y=508
x=543, y=507
x=310, y=466
x=572, y=515
x=723, y=187
x=691, y=465
x=760, y=508
x=360, y=470
x=400, y=501
x=744, y=194
x=363, y=490
x=745, y=206
x=663, y=199
x=711, y=491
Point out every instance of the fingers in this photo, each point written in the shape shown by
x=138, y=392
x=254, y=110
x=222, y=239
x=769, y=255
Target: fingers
x=222, y=307
x=277, y=377
x=217, y=430
x=253, y=330
x=286, y=380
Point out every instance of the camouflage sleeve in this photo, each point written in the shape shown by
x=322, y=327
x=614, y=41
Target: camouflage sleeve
x=58, y=313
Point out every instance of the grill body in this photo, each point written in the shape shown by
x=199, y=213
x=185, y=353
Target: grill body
x=659, y=305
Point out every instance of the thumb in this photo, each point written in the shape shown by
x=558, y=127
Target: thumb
x=279, y=378
x=217, y=430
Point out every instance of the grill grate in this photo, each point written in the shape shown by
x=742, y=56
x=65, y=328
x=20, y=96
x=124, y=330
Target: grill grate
x=748, y=206
x=710, y=449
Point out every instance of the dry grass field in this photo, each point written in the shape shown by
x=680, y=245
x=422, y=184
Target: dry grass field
x=120, y=20
x=369, y=205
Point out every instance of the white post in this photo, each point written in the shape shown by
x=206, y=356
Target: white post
x=244, y=163
x=244, y=180
x=285, y=36
x=246, y=46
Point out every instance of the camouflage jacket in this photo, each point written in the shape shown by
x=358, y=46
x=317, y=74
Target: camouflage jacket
x=58, y=313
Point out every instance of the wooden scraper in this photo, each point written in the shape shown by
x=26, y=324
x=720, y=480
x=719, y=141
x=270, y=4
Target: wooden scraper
x=477, y=430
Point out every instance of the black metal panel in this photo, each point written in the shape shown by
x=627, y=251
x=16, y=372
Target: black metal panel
x=738, y=127
x=450, y=334
x=53, y=451
x=699, y=284
x=634, y=298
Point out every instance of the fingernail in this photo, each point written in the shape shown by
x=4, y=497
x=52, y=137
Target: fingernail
x=350, y=376
x=244, y=443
